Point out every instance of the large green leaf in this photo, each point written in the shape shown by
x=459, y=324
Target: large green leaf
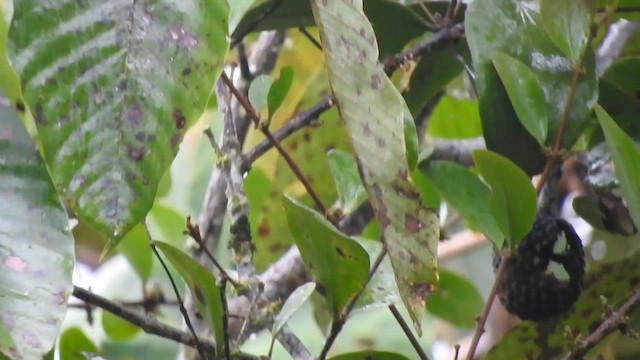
x=548, y=340
x=568, y=24
x=37, y=247
x=339, y=265
x=374, y=114
x=113, y=86
x=626, y=158
x=515, y=28
x=393, y=23
x=456, y=300
x=525, y=94
x=513, y=198
x=202, y=285
x=466, y=193
x=73, y=343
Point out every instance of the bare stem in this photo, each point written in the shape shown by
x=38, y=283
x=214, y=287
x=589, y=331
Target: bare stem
x=339, y=322
x=487, y=306
x=407, y=331
x=256, y=120
x=183, y=310
x=609, y=325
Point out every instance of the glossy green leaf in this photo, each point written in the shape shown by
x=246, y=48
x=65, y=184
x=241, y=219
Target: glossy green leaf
x=626, y=158
x=237, y=9
x=514, y=28
x=613, y=282
x=394, y=24
x=525, y=94
x=456, y=300
x=259, y=90
x=455, y=118
x=467, y=194
x=202, y=285
x=428, y=194
x=135, y=247
x=513, y=198
x=348, y=184
x=568, y=24
x=370, y=355
x=431, y=76
x=625, y=73
x=293, y=303
x=37, y=248
x=307, y=147
x=412, y=147
x=73, y=342
x=279, y=90
x=113, y=87
x=374, y=114
x=338, y=264
x=117, y=328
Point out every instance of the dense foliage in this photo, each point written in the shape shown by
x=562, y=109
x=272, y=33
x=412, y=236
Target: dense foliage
x=323, y=179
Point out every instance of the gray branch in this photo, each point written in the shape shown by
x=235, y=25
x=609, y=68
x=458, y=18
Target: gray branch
x=261, y=61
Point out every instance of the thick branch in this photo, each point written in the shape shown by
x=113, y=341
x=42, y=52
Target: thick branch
x=147, y=323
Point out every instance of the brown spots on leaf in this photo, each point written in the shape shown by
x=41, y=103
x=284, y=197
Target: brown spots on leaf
x=412, y=224
x=151, y=138
x=199, y=295
x=381, y=211
x=375, y=81
x=145, y=181
x=381, y=142
x=6, y=134
x=366, y=130
x=199, y=315
x=140, y=136
x=322, y=290
x=130, y=177
x=136, y=154
x=40, y=118
x=339, y=251
x=122, y=86
x=422, y=291
x=292, y=146
x=20, y=106
x=178, y=119
x=276, y=248
x=403, y=188
x=133, y=115
x=175, y=140
x=186, y=71
x=306, y=136
x=263, y=229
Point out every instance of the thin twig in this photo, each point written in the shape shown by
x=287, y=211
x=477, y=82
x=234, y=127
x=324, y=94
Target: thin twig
x=183, y=310
x=194, y=232
x=609, y=325
x=487, y=306
x=147, y=323
x=292, y=164
x=310, y=37
x=408, y=333
x=225, y=317
x=301, y=120
x=339, y=322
